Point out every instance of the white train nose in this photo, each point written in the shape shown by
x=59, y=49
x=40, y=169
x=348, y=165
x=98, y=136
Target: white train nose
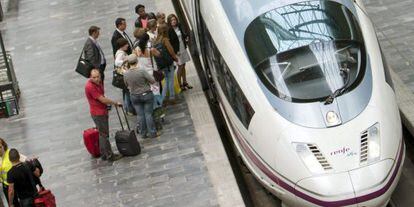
x=371, y=176
x=327, y=190
x=370, y=185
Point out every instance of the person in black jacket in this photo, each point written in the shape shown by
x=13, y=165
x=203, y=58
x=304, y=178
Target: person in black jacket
x=93, y=52
x=121, y=25
x=143, y=17
x=179, y=38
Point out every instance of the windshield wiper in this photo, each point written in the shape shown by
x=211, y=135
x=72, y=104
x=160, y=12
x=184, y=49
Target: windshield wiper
x=345, y=74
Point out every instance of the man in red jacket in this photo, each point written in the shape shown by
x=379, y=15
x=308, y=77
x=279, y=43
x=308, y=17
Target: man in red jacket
x=95, y=94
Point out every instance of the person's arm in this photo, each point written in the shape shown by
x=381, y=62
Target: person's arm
x=138, y=23
x=154, y=52
x=119, y=59
x=95, y=94
x=149, y=77
x=89, y=54
x=114, y=45
x=170, y=49
x=125, y=81
x=108, y=101
x=184, y=32
x=11, y=194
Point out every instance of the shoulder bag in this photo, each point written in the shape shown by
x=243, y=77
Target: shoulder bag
x=157, y=74
x=83, y=67
x=118, y=76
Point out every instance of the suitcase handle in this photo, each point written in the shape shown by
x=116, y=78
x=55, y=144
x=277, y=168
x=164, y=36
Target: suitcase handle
x=119, y=117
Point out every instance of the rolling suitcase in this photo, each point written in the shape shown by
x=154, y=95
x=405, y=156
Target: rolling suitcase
x=126, y=140
x=91, y=141
x=45, y=199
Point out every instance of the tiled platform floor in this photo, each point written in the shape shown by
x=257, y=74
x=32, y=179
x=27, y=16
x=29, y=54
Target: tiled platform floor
x=46, y=38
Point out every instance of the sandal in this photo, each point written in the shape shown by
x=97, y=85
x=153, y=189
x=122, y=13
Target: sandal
x=183, y=88
x=187, y=86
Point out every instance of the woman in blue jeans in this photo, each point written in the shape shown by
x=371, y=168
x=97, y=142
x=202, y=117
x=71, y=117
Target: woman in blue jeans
x=138, y=81
x=168, y=71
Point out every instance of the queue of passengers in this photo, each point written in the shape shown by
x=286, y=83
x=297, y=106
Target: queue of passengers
x=146, y=85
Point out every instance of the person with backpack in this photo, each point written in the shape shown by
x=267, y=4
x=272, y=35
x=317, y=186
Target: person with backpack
x=21, y=183
x=165, y=61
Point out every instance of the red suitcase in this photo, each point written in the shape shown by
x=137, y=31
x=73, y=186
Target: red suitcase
x=91, y=140
x=45, y=199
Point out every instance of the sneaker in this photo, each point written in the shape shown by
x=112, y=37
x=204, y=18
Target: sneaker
x=157, y=134
x=115, y=157
x=129, y=113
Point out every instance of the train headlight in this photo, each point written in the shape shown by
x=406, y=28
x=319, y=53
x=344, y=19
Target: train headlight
x=374, y=145
x=302, y=149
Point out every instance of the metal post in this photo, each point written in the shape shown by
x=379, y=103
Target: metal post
x=3, y=51
x=1, y=12
x=9, y=74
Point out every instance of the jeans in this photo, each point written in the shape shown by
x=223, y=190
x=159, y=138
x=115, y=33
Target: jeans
x=127, y=102
x=143, y=104
x=101, y=123
x=169, y=82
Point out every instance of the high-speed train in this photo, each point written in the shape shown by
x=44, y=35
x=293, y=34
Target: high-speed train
x=306, y=94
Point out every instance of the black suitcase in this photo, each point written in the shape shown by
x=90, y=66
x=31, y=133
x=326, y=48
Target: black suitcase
x=126, y=140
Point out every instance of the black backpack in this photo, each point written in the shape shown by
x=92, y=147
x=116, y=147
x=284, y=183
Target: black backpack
x=32, y=165
x=164, y=59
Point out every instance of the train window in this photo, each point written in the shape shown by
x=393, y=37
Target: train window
x=228, y=84
x=306, y=51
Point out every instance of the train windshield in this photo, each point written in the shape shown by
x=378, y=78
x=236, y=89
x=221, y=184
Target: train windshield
x=306, y=51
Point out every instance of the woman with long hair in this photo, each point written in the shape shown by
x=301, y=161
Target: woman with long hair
x=163, y=38
x=179, y=42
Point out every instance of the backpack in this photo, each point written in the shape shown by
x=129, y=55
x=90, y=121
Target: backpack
x=164, y=59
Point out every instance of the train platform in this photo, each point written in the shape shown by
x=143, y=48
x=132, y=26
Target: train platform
x=185, y=166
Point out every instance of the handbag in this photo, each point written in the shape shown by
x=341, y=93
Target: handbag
x=45, y=198
x=164, y=59
x=83, y=67
x=118, y=76
x=157, y=74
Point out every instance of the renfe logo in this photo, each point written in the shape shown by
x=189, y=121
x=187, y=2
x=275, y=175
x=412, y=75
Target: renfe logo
x=342, y=151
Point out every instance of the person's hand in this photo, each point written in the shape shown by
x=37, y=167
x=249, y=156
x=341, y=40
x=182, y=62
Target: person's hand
x=118, y=104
